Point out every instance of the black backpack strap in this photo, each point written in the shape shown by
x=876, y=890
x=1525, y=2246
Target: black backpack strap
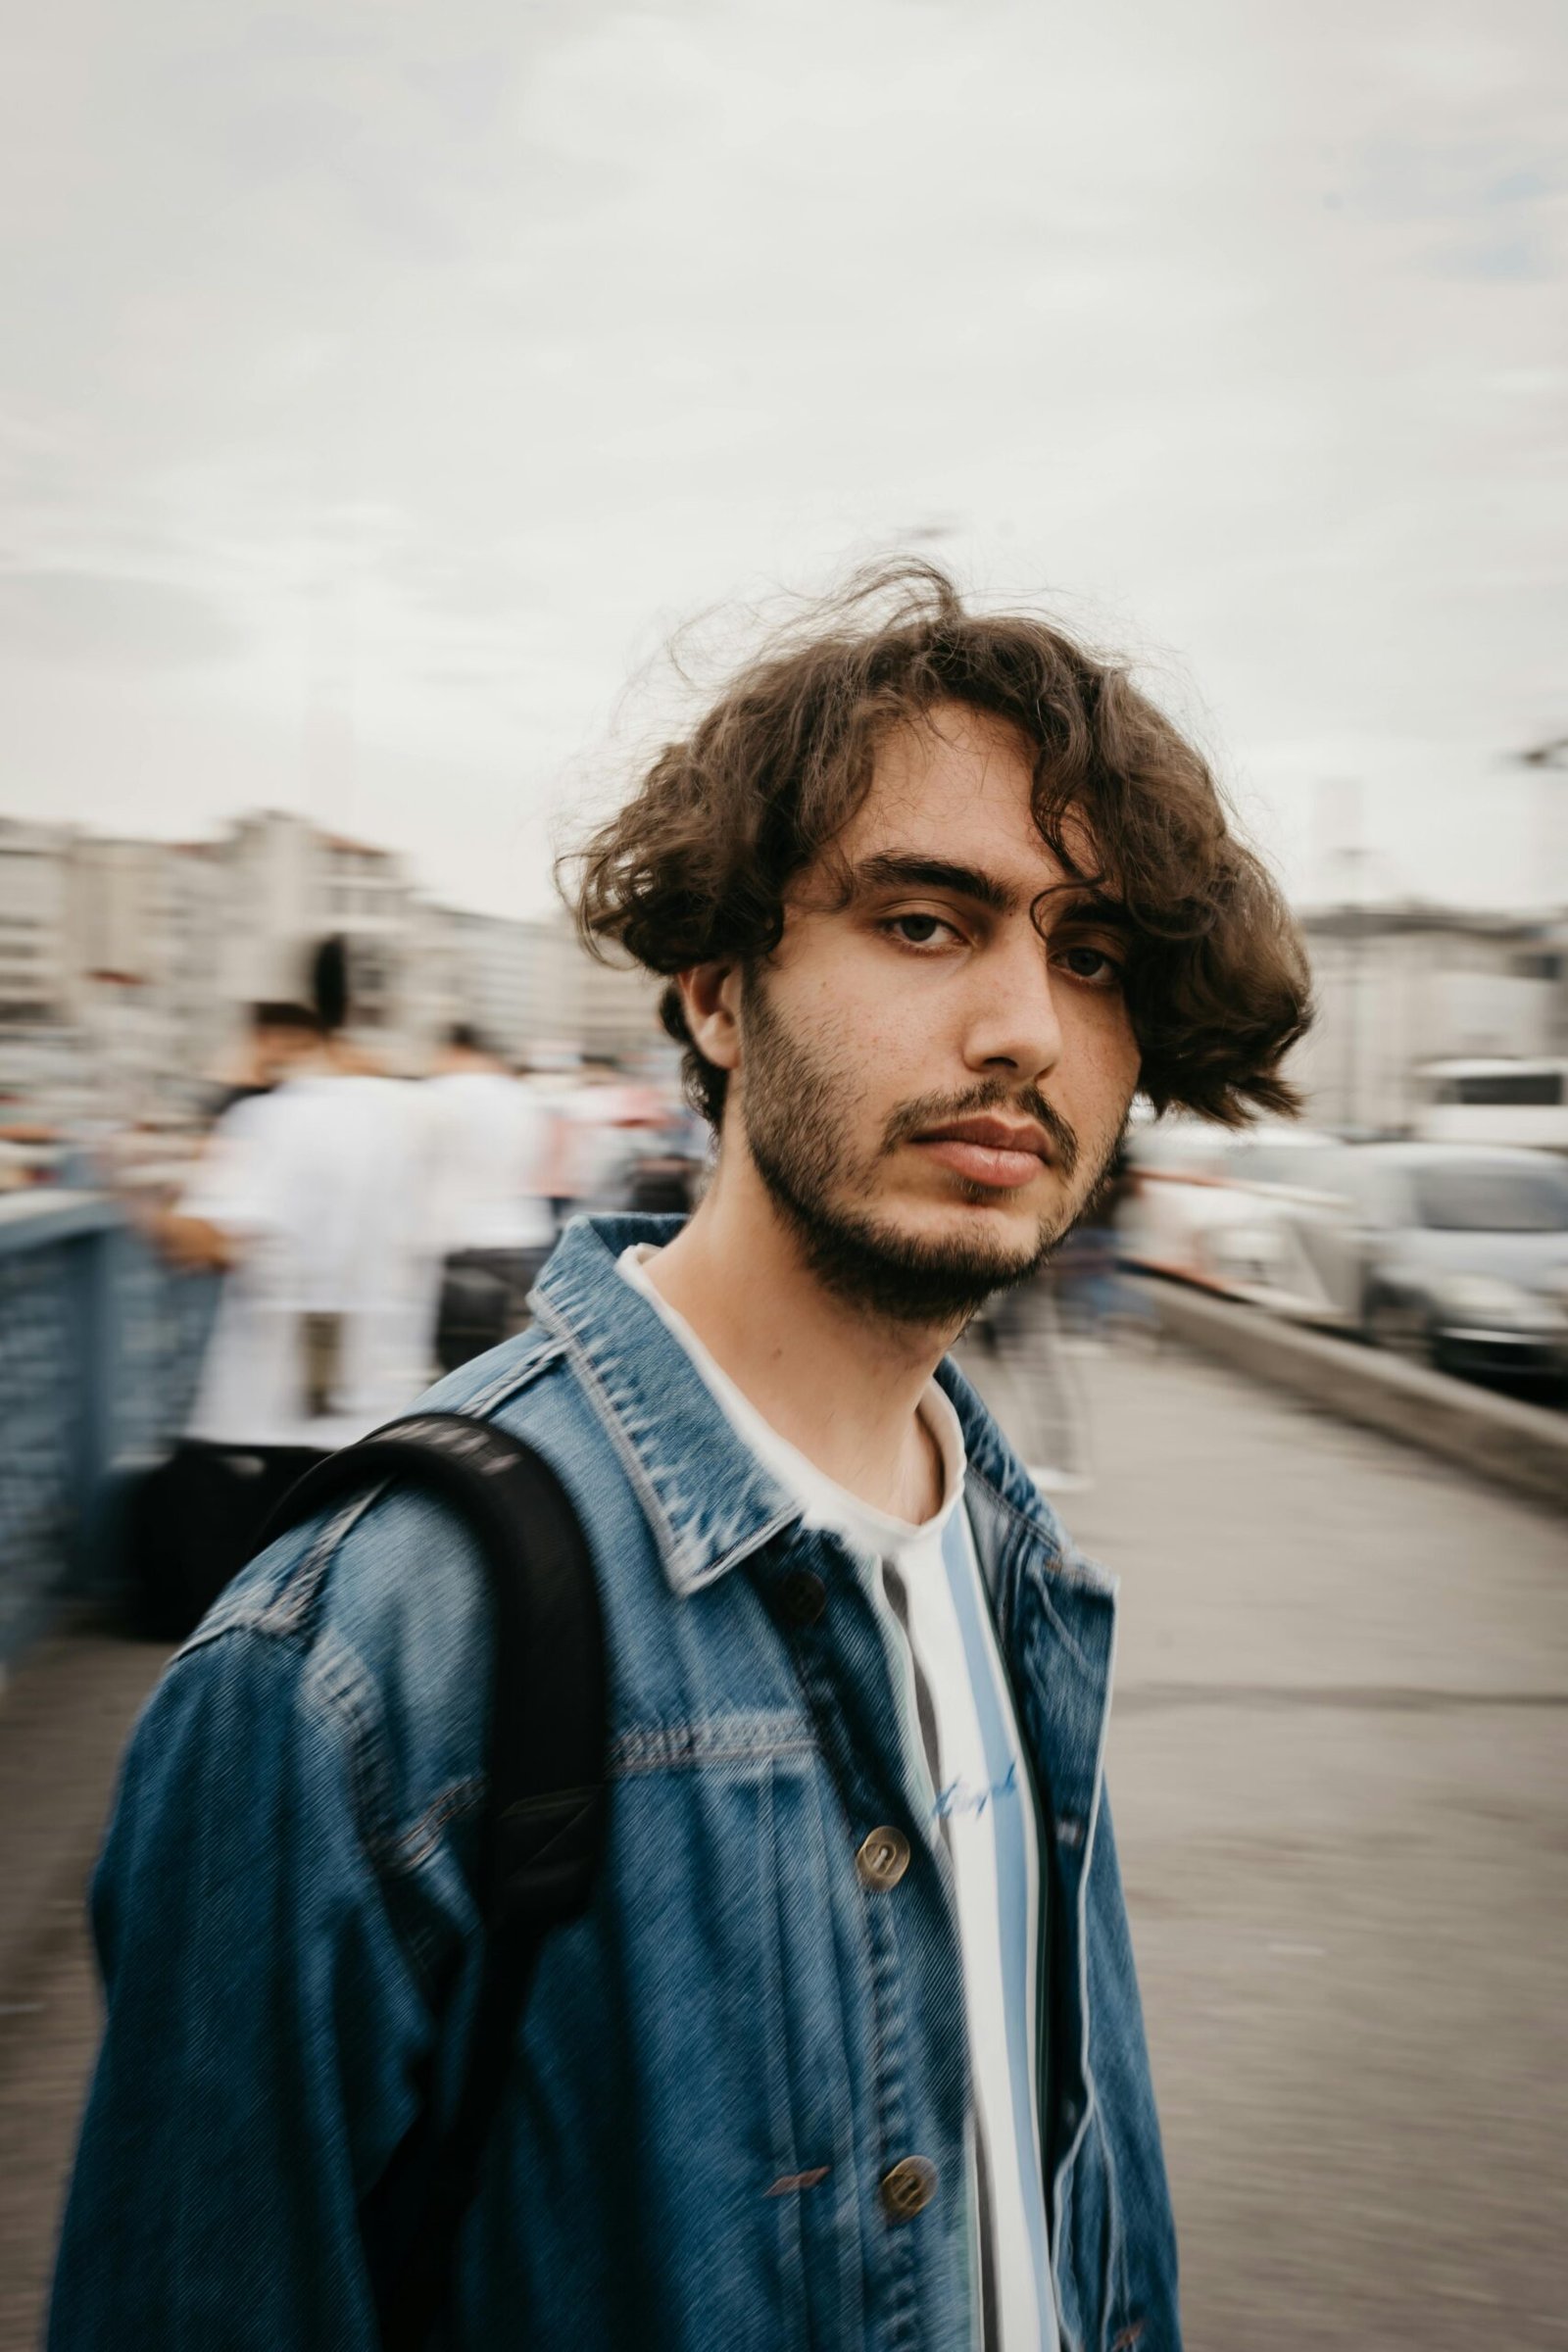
x=543, y=1823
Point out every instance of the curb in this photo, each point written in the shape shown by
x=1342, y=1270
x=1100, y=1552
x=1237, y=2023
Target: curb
x=1522, y=1446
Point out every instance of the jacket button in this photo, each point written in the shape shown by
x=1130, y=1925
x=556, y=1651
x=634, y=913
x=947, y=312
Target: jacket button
x=883, y=1858
x=802, y=1597
x=908, y=2188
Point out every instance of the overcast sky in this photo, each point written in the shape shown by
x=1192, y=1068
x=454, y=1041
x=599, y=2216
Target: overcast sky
x=383, y=384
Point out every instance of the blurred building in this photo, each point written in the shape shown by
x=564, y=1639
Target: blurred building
x=524, y=984
x=430, y=981
x=35, y=949
x=117, y=909
x=148, y=923
x=508, y=980
x=198, y=1018
x=134, y=960
x=616, y=1006
x=417, y=966
x=288, y=885
x=1401, y=986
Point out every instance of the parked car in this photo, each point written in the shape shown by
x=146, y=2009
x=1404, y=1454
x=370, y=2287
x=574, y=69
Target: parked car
x=1234, y=1212
x=1456, y=1255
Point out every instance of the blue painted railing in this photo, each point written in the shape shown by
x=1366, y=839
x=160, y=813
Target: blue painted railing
x=99, y=1348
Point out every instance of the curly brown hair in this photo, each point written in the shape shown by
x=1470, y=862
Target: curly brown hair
x=696, y=867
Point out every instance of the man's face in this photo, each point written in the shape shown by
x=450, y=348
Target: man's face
x=936, y=1063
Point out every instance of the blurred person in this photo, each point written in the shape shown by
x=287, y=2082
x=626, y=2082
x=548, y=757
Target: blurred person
x=666, y=1168
x=314, y=1201
x=634, y=1148
x=491, y=1137
x=590, y=1144
x=847, y=2050
x=278, y=1033
x=564, y=1095
x=1096, y=1297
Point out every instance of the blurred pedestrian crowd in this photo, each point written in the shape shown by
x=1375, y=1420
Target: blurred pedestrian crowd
x=368, y=1232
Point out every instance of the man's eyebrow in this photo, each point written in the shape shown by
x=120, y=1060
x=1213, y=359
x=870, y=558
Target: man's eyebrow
x=1069, y=902
x=892, y=869
x=1086, y=906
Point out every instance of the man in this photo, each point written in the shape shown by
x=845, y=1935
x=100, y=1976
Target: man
x=490, y=1133
x=281, y=1034
x=847, y=2052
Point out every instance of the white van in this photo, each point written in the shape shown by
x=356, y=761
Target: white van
x=1521, y=1101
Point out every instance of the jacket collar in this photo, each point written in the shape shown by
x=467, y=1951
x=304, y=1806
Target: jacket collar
x=709, y=1500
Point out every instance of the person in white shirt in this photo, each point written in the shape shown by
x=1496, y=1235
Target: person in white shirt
x=491, y=1134
x=319, y=1198
x=317, y=1202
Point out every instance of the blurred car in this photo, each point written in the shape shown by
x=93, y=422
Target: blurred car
x=1454, y=1256
x=1232, y=1213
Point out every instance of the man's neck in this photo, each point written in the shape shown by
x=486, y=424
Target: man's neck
x=842, y=1385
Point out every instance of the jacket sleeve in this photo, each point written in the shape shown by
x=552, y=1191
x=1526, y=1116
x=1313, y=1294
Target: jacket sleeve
x=264, y=2027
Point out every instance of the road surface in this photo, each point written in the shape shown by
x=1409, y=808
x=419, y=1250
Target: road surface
x=1340, y=1767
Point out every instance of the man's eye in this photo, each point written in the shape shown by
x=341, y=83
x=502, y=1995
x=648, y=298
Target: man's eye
x=919, y=930
x=1092, y=965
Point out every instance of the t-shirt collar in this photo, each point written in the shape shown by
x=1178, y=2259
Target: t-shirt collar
x=824, y=1502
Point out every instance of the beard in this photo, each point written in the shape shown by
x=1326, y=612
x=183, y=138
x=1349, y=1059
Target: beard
x=797, y=1106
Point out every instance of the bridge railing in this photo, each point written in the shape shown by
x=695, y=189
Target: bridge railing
x=100, y=1344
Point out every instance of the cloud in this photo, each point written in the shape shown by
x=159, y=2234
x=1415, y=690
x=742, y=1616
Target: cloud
x=93, y=622
x=447, y=361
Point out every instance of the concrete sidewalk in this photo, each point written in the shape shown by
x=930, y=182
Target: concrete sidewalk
x=1339, y=1758
x=1519, y=1443
x=63, y=1720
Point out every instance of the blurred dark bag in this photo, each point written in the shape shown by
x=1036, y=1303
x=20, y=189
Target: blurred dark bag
x=484, y=1300
x=473, y=1313
x=542, y=1829
x=194, y=1521
x=661, y=1187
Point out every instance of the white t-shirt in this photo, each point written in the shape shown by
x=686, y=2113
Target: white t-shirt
x=491, y=1139
x=961, y=1739
x=328, y=1185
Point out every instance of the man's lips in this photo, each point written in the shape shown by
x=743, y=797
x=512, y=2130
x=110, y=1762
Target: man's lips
x=994, y=1151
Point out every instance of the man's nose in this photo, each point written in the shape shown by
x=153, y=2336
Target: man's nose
x=1012, y=1020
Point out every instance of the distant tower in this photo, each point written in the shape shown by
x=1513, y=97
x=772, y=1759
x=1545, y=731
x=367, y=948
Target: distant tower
x=1550, y=760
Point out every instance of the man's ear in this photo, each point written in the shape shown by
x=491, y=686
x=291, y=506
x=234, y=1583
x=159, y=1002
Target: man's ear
x=711, y=999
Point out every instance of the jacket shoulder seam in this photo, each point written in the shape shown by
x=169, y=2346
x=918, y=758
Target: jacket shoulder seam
x=547, y=1355
x=333, y=1683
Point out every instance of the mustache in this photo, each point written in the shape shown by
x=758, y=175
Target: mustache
x=934, y=1111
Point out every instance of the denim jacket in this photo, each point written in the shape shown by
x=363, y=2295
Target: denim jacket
x=721, y=2062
